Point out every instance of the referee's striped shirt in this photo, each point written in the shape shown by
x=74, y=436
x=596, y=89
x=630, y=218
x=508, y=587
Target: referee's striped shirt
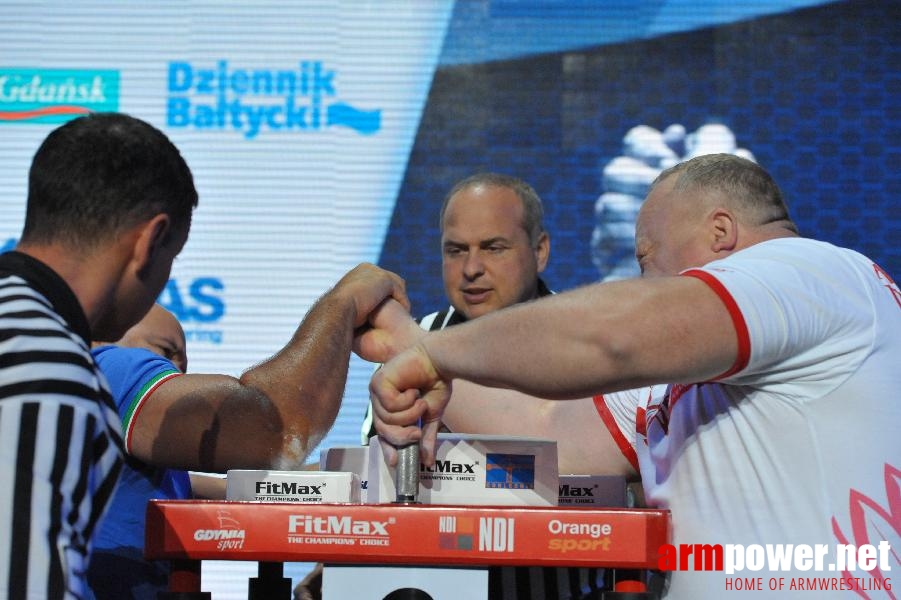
x=60, y=438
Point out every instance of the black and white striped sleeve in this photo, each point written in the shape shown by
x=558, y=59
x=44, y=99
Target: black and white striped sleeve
x=60, y=449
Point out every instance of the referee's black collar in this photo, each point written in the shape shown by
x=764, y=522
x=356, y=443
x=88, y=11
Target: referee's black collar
x=543, y=289
x=46, y=281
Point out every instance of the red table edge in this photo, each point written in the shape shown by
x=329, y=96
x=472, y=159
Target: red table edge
x=163, y=543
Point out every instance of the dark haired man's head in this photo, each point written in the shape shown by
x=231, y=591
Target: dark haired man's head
x=110, y=200
x=101, y=174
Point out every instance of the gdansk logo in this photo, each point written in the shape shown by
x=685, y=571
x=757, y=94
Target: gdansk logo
x=55, y=95
x=223, y=97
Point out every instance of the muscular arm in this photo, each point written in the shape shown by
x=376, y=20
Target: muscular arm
x=584, y=443
x=276, y=412
x=599, y=338
x=596, y=339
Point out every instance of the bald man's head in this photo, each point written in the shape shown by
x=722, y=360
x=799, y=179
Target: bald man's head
x=160, y=332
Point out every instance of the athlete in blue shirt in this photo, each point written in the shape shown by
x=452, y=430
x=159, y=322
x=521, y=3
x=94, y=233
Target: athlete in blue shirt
x=118, y=568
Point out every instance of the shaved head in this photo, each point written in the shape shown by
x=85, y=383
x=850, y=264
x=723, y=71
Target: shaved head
x=160, y=332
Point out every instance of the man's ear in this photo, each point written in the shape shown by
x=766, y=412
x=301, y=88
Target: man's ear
x=152, y=236
x=724, y=227
x=542, y=250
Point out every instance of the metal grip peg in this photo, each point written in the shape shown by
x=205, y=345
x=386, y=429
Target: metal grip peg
x=407, y=475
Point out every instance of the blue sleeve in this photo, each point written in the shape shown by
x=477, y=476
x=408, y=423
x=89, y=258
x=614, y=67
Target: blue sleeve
x=131, y=373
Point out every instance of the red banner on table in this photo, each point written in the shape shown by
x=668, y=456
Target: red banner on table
x=405, y=534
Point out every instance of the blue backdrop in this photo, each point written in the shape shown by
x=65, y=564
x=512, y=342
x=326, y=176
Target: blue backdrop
x=814, y=93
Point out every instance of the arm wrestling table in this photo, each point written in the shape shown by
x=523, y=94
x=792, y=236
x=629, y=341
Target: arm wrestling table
x=186, y=532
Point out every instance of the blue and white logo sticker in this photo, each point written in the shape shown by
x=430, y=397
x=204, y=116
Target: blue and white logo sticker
x=257, y=100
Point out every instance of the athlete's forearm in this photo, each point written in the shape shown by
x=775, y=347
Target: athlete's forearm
x=599, y=338
x=305, y=380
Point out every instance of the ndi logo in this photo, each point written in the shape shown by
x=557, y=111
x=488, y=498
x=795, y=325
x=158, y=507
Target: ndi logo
x=55, y=95
x=223, y=97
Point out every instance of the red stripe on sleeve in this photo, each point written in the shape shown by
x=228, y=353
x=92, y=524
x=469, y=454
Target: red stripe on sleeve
x=738, y=320
x=607, y=417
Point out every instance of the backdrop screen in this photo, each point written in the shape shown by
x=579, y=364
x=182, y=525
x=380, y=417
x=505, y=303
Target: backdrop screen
x=324, y=134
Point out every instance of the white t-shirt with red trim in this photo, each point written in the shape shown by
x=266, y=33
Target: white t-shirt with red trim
x=800, y=442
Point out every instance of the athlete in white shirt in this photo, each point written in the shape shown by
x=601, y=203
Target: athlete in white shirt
x=780, y=423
